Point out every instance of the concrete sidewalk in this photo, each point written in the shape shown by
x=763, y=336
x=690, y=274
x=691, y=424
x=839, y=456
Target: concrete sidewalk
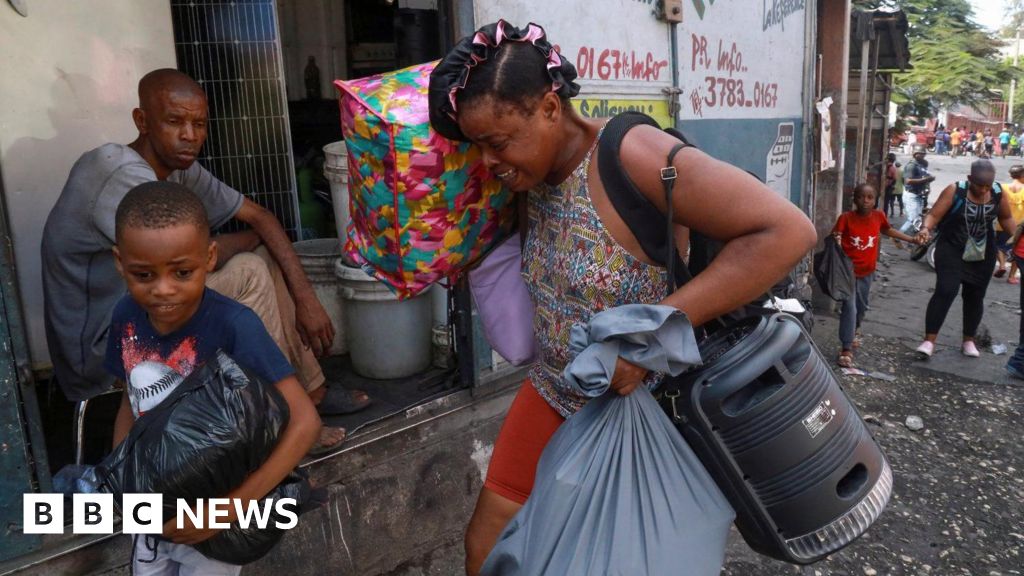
x=899, y=298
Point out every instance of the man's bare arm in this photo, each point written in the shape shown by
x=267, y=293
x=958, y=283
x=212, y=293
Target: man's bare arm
x=235, y=243
x=312, y=321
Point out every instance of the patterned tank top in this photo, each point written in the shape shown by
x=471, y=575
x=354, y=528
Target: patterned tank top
x=573, y=270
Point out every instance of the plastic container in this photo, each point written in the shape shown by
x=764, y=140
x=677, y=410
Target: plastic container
x=317, y=258
x=387, y=338
x=336, y=172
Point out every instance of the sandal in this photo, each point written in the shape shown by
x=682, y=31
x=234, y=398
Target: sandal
x=320, y=448
x=339, y=400
x=999, y=273
x=856, y=341
x=845, y=359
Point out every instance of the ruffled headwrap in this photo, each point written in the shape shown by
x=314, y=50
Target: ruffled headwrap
x=452, y=72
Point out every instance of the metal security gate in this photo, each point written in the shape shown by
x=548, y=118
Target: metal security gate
x=232, y=49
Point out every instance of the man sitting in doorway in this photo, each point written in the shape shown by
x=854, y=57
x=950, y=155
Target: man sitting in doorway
x=257, y=267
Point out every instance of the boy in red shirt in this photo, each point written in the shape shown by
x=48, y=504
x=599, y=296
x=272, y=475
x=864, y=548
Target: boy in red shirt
x=858, y=232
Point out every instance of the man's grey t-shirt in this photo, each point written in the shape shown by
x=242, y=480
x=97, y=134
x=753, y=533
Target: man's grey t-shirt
x=80, y=282
x=913, y=170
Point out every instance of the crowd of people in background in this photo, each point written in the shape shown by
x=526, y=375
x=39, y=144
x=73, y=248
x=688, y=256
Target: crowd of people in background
x=976, y=226
x=981, y=143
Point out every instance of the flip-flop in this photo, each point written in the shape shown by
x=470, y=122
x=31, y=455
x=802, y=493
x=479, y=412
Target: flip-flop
x=999, y=273
x=320, y=449
x=340, y=400
x=845, y=360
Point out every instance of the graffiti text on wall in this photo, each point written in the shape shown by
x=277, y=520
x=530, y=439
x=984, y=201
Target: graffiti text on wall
x=728, y=84
x=611, y=64
x=776, y=11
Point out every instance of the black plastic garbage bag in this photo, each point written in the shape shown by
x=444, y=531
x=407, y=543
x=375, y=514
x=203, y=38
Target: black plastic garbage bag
x=242, y=546
x=618, y=492
x=833, y=270
x=218, y=426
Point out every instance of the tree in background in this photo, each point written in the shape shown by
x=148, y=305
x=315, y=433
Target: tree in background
x=1014, y=18
x=1015, y=21
x=955, y=61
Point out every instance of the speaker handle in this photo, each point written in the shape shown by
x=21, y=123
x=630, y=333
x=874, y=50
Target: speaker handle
x=771, y=357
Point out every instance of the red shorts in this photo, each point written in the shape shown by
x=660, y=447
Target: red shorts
x=530, y=423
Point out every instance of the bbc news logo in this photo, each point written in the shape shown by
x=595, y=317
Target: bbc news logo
x=142, y=513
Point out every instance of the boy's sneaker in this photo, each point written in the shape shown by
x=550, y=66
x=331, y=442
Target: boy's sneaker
x=926, y=349
x=970, y=350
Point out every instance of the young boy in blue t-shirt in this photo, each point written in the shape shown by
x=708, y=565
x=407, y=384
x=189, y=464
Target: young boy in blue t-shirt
x=171, y=323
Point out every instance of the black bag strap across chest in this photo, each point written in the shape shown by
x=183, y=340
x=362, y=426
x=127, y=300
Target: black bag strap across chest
x=653, y=228
x=642, y=216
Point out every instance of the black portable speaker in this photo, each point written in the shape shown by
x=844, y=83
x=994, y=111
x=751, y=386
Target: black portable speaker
x=769, y=420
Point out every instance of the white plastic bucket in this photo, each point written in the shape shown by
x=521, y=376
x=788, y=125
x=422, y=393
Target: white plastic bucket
x=387, y=338
x=317, y=258
x=336, y=172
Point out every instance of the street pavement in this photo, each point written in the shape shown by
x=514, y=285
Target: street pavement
x=958, y=503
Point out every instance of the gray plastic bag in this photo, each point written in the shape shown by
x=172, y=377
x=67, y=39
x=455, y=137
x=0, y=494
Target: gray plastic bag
x=617, y=492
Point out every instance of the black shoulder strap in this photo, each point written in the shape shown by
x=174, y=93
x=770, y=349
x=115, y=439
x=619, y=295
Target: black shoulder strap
x=959, y=198
x=633, y=207
x=668, y=179
x=960, y=195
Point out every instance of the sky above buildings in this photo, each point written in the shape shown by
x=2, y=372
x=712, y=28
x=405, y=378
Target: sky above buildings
x=989, y=13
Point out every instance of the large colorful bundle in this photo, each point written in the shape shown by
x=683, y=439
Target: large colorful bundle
x=422, y=206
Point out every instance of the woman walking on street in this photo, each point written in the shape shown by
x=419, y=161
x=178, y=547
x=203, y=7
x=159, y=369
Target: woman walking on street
x=965, y=251
x=507, y=90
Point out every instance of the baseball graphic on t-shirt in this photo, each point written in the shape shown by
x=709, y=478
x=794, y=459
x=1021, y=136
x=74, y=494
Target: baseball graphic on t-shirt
x=150, y=383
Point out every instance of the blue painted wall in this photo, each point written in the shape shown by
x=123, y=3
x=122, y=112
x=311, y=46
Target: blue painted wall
x=746, y=144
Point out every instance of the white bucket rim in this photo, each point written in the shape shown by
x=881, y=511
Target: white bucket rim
x=354, y=274
x=336, y=148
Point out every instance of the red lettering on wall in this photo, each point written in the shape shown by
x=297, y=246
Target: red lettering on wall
x=613, y=64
